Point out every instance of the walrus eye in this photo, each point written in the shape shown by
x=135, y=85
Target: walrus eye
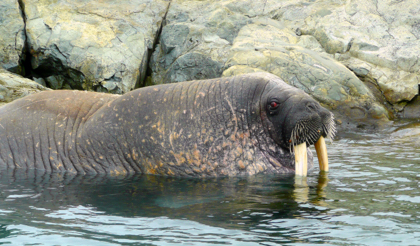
x=274, y=105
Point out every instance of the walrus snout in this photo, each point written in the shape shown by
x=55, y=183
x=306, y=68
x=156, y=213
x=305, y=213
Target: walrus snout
x=312, y=131
x=317, y=122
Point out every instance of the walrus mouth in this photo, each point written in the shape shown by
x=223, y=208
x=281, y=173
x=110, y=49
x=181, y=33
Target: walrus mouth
x=307, y=133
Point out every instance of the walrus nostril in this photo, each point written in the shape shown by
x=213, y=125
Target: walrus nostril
x=311, y=107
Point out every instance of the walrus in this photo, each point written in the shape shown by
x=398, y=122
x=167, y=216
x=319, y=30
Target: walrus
x=236, y=126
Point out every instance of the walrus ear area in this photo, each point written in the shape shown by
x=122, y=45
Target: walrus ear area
x=273, y=106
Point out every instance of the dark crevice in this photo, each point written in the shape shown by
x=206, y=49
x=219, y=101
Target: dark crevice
x=26, y=62
x=57, y=78
x=25, y=58
x=153, y=49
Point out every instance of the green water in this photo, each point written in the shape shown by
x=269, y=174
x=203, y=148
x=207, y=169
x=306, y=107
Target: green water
x=371, y=196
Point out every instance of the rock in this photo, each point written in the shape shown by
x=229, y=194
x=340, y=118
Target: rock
x=396, y=85
x=411, y=109
x=383, y=35
x=93, y=45
x=360, y=58
x=408, y=133
x=283, y=38
x=14, y=86
x=193, y=66
x=12, y=36
x=40, y=81
x=316, y=73
x=196, y=30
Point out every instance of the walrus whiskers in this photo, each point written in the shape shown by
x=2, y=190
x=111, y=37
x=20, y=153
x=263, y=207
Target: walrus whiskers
x=313, y=131
x=330, y=127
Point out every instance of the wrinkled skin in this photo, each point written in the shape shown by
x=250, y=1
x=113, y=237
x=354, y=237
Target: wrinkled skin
x=219, y=127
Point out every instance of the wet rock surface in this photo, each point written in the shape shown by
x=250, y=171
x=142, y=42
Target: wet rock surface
x=408, y=132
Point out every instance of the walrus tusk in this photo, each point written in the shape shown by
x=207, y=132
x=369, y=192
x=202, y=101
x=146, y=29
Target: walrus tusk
x=321, y=152
x=301, y=160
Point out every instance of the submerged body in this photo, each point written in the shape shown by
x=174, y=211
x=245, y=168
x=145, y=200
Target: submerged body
x=234, y=126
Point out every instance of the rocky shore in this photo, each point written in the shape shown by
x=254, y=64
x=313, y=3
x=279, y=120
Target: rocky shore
x=359, y=58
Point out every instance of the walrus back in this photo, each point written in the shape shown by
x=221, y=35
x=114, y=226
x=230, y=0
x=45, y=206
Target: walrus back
x=39, y=131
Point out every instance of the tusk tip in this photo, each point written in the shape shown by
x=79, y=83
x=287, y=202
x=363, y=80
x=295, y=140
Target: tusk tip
x=301, y=160
x=321, y=152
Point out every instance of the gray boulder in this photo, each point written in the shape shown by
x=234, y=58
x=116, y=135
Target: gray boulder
x=409, y=133
x=411, y=109
x=359, y=57
x=199, y=34
x=92, y=45
x=378, y=40
x=12, y=36
x=14, y=86
x=279, y=51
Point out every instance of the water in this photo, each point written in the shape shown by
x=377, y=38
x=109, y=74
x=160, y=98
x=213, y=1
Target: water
x=371, y=196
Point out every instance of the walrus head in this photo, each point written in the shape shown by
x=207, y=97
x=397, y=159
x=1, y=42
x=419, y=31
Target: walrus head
x=295, y=120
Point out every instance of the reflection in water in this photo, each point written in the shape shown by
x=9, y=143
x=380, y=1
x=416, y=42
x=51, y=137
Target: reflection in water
x=320, y=190
x=40, y=203
x=301, y=189
x=369, y=197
